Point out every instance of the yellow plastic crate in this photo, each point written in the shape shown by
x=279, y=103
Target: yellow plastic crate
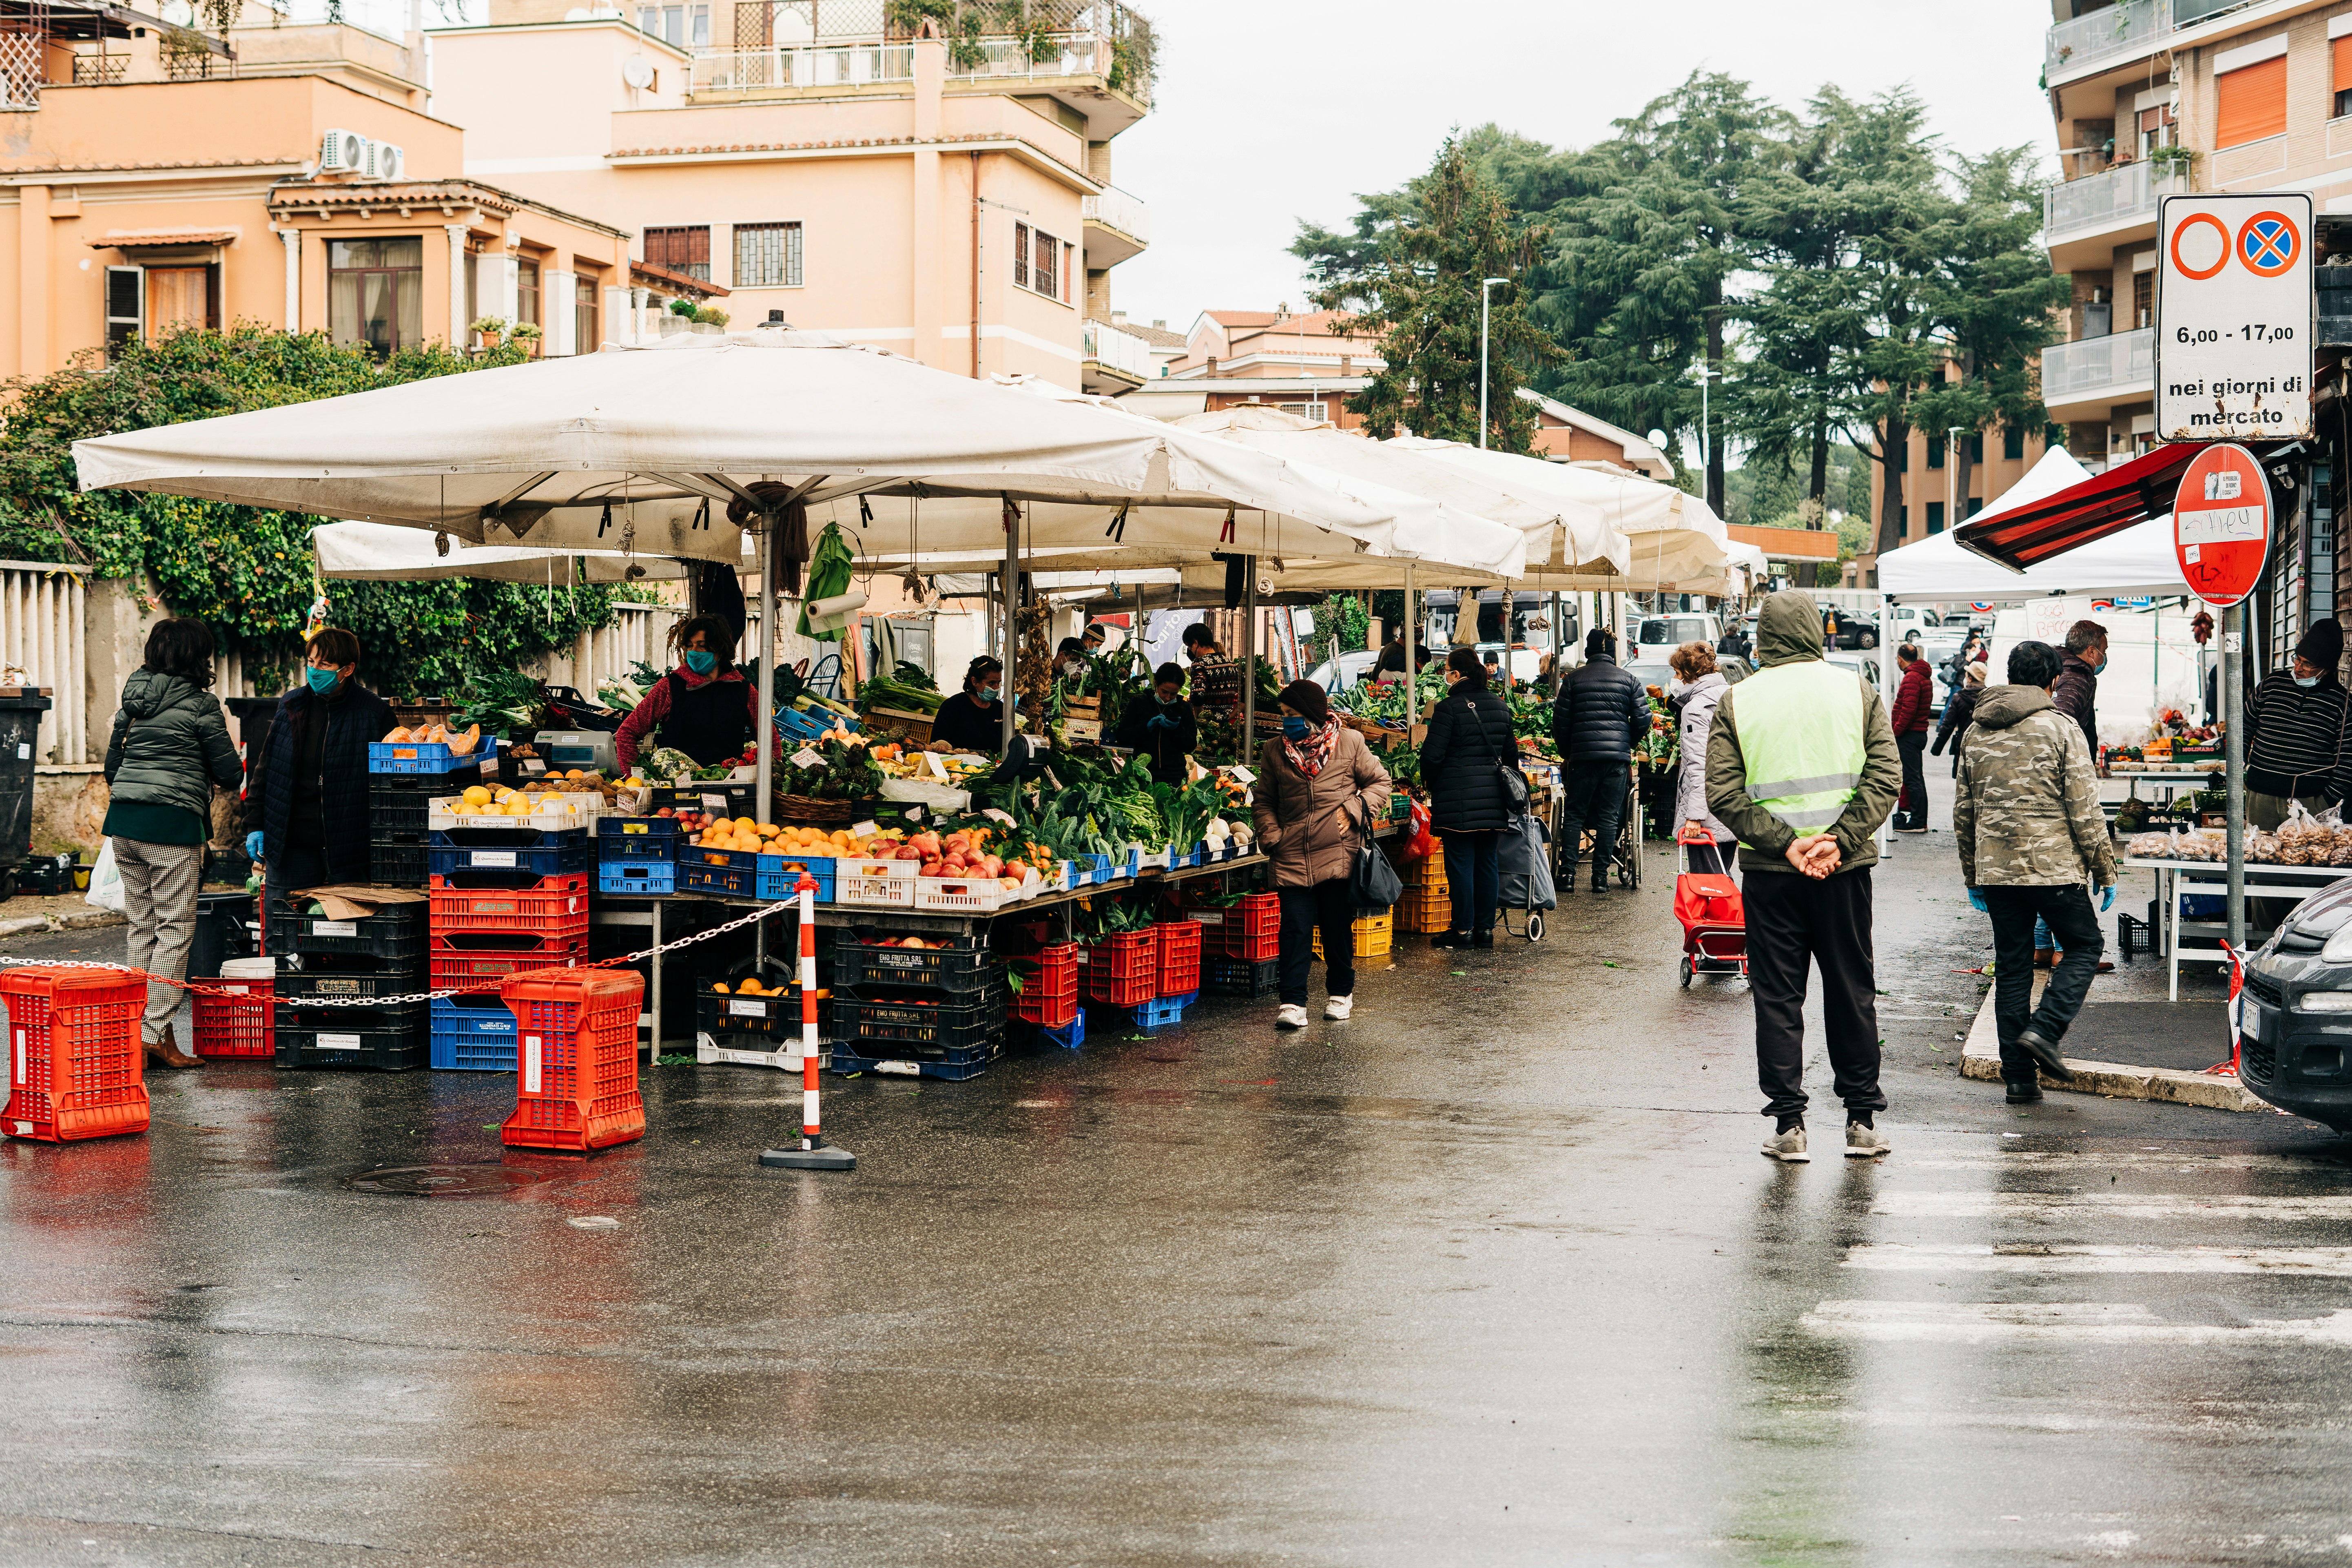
x=1374, y=935
x=1426, y=910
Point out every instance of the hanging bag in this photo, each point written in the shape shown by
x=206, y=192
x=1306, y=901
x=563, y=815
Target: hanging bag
x=1376, y=883
x=1513, y=781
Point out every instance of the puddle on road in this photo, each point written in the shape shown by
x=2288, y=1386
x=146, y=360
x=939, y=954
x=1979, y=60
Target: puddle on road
x=452, y=1180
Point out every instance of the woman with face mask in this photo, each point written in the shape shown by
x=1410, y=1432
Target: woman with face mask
x=705, y=707
x=306, y=797
x=974, y=718
x=1317, y=785
x=1161, y=726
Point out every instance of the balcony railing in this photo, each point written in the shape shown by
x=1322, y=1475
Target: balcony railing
x=2127, y=27
x=95, y=70
x=1107, y=345
x=2125, y=191
x=2088, y=367
x=1116, y=209
x=850, y=64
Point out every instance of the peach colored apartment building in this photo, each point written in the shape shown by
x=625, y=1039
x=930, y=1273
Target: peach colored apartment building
x=150, y=177
x=948, y=197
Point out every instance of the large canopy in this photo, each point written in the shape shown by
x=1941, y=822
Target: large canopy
x=2139, y=560
x=644, y=448
x=381, y=553
x=2094, y=507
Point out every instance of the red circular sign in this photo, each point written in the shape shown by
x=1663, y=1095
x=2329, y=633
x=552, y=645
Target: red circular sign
x=2268, y=244
x=2178, y=234
x=2222, y=525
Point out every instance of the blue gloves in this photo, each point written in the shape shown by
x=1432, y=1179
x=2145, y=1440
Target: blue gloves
x=1160, y=721
x=2108, y=899
x=1976, y=901
x=253, y=845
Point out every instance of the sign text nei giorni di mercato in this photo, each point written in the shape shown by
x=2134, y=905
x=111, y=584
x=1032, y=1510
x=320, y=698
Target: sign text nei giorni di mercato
x=2233, y=323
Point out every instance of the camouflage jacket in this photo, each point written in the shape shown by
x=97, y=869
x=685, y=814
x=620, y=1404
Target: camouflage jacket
x=2028, y=809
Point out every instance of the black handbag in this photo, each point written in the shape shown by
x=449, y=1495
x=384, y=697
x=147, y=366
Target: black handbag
x=1376, y=883
x=1513, y=783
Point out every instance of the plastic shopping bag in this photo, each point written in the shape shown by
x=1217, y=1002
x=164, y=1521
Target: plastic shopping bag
x=105, y=881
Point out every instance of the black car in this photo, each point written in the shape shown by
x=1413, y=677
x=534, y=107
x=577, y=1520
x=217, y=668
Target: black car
x=1843, y=628
x=2296, y=1019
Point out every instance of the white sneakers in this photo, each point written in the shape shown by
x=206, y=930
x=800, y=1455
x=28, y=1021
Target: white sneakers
x=1788, y=1147
x=1290, y=1016
x=1864, y=1142
x=1338, y=1008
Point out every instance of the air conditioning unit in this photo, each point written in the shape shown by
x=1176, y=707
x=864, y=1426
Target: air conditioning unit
x=384, y=161
x=343, y=152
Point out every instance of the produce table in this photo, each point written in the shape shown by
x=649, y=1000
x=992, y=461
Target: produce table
x=2178, y=879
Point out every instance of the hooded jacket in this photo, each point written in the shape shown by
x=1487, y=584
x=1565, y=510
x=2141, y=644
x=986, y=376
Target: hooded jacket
x=2027, y=813
x=1789, y=629
x=170, y=745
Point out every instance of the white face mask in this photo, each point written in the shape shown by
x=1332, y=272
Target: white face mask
x=1072, y=665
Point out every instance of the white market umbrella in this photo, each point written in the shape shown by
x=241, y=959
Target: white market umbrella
x=382, y=552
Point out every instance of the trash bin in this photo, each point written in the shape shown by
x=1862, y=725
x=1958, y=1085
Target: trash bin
x=21, y=707
x=224, y=931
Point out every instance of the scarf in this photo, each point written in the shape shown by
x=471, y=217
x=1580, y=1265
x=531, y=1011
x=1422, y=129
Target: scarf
x=1309, y=755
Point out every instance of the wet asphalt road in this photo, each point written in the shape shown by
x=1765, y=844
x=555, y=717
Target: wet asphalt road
x=1492, y=1273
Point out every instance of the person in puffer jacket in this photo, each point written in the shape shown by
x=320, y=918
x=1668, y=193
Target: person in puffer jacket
x=1599, y=717
x=169, y=748
x=2033, y=842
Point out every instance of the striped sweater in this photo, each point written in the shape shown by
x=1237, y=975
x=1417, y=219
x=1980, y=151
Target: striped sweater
x=2295, y=738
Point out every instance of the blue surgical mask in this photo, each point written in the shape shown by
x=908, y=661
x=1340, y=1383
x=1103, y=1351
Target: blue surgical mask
x=323, y=682
x=701, y=660
x=2306, y=681
x=1296, y=727
x=987, y=696
x=1171, y=701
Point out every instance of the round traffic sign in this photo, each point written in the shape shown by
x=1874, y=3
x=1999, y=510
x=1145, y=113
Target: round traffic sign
x=2222, y=525
x=2267, y=243
x=2221, y=242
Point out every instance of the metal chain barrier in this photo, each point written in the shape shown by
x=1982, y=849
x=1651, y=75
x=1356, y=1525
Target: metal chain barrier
x=217, y=988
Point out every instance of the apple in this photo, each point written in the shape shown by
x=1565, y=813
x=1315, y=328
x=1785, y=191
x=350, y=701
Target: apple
x=910, y=853
x=991, y=866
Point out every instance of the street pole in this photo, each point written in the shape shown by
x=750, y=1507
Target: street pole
x=2234, y=760
x=1952, y=476
x=1484, y=284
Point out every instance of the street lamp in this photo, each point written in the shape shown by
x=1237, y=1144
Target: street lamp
x=1706, y=378
x=1484, y=284
x=1952, y=434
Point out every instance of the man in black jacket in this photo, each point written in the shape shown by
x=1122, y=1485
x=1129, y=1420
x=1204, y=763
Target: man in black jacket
x=2076, y=695
x=1599, y=717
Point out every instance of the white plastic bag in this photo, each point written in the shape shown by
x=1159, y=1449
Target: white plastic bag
x=105, y=881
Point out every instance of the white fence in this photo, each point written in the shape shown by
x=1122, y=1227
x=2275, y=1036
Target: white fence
x=637, y=632
x=41, y=635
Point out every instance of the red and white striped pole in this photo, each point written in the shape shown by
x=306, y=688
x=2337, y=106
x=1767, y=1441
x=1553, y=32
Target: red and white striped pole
x=814, y=1154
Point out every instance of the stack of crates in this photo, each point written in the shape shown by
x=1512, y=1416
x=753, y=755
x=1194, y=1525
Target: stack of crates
x=323, y=962
x=576, y=1060
x=759, y=1026
x=76, y=1062
x=403, y=779
x=637, y=857
x=1427, y=905
x=482, y=934
x=938, y=1010
x=1241, y=946
x=1375, y=936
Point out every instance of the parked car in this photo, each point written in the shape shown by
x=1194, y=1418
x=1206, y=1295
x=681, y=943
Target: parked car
x=1347, y=672
x=1673, y=631
x=2295, y=1019
x=1843, y=628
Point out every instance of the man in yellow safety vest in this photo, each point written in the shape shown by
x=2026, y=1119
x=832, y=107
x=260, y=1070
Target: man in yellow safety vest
x=1801, y=765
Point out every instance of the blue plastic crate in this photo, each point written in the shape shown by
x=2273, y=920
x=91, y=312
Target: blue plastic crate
x=780, y=879
x=1158, y=1013
x=643, y=838
x=1069, y=1038
x=469, y=1037
x=573, y=851
x=637, y=879
x=722, y=881
x=421, y=757
x=802, y=725
x=1098, y=867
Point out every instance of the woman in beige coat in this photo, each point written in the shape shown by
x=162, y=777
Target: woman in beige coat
x=1317, y=785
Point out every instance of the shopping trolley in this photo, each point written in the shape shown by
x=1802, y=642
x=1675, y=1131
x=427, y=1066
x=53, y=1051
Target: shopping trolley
x=1713, y=915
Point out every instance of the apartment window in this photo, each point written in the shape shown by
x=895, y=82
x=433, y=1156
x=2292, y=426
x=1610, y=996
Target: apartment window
x=1935, y=517
x=1976, y=447
x=2253, y=102
x=1934, y=451
x=688, y=27
x=2155, y=128
x=1041, y=263
x=527, y=293
x=2342, y=49
x=1975, y=505
x=766, y=256
x=1315, y=410
x=126, y=316
x=2144, y=299
x=587, y=328
x=376, y=292
x=684, y=250
x=2012, y=441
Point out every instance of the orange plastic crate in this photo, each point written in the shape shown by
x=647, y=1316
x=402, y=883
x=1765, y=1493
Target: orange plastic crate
x=1122, y=970
x=240, y=1019
x=576, y=1051
x=1179, y=957
x=75, y=1062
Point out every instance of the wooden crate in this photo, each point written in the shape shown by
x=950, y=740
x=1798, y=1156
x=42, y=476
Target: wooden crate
x=912, y=728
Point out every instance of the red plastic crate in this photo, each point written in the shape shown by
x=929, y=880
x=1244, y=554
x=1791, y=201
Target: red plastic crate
x=75, y=1060
x=560, y=915
x=240, y=1019
x=1179, y=957
x=488, y=881
x=482, y=969
x=1250, y=930
x=576, y=1058
x=1123, y=970
x=1049, y=986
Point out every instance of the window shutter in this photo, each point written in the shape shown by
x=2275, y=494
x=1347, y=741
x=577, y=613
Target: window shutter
x=1021, y=254
x=2343, y=47
x=2253, y=103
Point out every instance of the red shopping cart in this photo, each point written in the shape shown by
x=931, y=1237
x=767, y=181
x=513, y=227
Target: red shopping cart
x=1712, y=916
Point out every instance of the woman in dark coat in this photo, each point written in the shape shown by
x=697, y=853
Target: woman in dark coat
x=1469, y=734
x=1160, y=727
x=1960, y=712
x=306, y=793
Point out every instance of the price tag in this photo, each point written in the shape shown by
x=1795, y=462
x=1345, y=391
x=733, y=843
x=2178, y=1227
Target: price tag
x=912, y=813
x=747, y=1009
x=715, y=805
x=865, y=829
x=1241, y=775
x=533, y=766
x=336, y=928
x=505, y=858
x=1004, y=817
x=805, y=758
x=338, y=1042
x=939, y=768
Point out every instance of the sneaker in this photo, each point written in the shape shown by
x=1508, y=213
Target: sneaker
x=1864, y=1142
x=1788, y=1147
x=1483, y=939
x=1290, y=1016
x=2023, y=1090
x=2045, y=1055
x=1338, y=1008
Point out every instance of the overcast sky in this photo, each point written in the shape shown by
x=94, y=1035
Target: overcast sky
x=1271, y=110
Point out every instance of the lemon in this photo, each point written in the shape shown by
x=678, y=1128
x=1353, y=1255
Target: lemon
x=478, y=796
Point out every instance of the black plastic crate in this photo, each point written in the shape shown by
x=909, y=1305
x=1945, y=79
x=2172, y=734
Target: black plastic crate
x=1238, y=977
x=396, y=932
x=398, y=859
x=320, y=975
x=858, y=965
x=926, y=1061
x=907, y=1019
x=407, y=1018
x=352, y=1048
x=769, y=1014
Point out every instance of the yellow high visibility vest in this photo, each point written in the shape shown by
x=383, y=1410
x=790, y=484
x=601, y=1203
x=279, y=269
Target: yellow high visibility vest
x=1801, y=734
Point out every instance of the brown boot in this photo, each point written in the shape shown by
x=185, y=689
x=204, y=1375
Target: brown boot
x=166, y=1053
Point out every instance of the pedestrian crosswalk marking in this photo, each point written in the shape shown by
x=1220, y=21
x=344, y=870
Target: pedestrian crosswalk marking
x=2109, y=1204
x=2101, y=1161
x=2111, y=1322
x=2034, y=1258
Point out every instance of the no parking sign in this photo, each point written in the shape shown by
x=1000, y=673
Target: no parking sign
x=2222, y=525
x=2233, y=320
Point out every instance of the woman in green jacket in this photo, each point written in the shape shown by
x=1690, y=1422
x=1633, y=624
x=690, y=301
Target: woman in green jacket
x=170, y=747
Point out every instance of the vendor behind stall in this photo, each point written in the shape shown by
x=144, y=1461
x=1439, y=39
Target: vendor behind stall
x=973, y=720
x=704, y=707
x=1161, y=727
